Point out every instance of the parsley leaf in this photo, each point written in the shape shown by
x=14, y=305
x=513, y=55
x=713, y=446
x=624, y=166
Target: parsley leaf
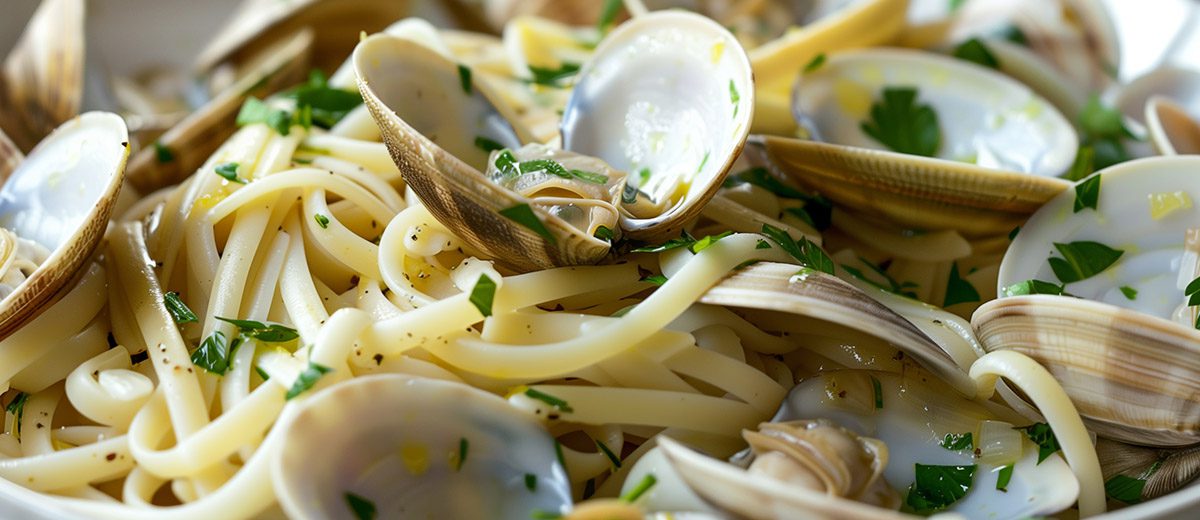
x=608, y=15
x=1003, y=477
x=976, y=52
x=1087, y=194
x=228, y=171
x=734, y=97
x=162, y=153
x=1129, y=292
x=684, y=240
x=878, y=390
x=1082, y=260
x=482, y=294
x=1103, y=129
x=322, y=220
x=592, y=177
x=464, y=447
x=709, y=240
x=894, y=287
x=317, y=102
x=817, y=211
x=555, y=402
x=604, y=233
x=553, y=77
x=1012, y=235
x=464, y=78
x=17, y=408
x=1125, y=489
x=656, y=279
x=362, y=508
x=1032, y=287
x=1043, y=436
x=958, y=441
x=959, y=290
x=267, y=333
x=255, y=111
x=211, y=354
x=640, y=489
x=612, y=457
x=307, y=378
x=506, y=163
x=179, y=311
x=902, y=124
x=523, y=214
x=1083, y=165
x=531, y=482
x=815, y=63
x=937, y=487
x=486, y=144
x=807, y=253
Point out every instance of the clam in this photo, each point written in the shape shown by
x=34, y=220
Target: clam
x=1163, y=470
x=57, y=203
x=812, y=300
x=419, y=448
x=988, y=158
x=681, y=128
x=837, y=446
x=1179, y=84
x=42, y=77
x=1173, y=131
x=10, y=156
x=1124, y=347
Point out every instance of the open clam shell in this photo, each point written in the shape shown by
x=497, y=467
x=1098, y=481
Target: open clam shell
x=430, y=114
x=1179, y=84
x=42, y=77
x=995, y=162
x=60, y=197
x=1124, y=348
x=10, y=156
x=778, y=288
x=1173, y=131
x=418, y=448
x=668, y=97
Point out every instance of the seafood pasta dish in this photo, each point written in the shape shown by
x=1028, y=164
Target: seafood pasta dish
x=581, y=259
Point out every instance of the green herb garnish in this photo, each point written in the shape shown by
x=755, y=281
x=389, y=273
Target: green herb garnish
x=937, y=487
x=1103, y=129
x=464, y=78
x=640, y=489
x=362, y=508
x=17, y=408
x=553, y=77
x=1087, y=194
x=531, y=482
x=255, y=111
x=612, y=457
x=975, y=51
x=1128, y=489
x=322, y=220
x=959, y=290
x=482, y=294
x=817, y=210
x=1083, y=165
x=179, y=311
x=684, y=240
x=958, y=441
x=267, y=333
x=734, y=97
x=629, y=194
x=538, y=514
x=878, y=390
x=807, y=253
x=1003, y=477
x=1082, y=260
x=902, y=124
x=162, y=153
x=211, y=355
x=894, y=287
x=555, y=402
x=317, y=102
x=307, y=378
x=815, y=63
x=1129, y=292
x=464, y=447
x=506, y=163
x=592, y=177
x=523, y=214
x=604, y=233
x=608, y=15
x=487, y=145
x=1012, y=235
x=709, y=240
x=228, y=171
x=656, y=279
x=262, y=373
x=1043, y=436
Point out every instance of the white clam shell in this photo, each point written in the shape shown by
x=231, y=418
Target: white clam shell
x=394, y=440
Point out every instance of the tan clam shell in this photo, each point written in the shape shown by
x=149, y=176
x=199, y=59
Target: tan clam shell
x=10, y=156
x=91, y=149
x=1133, y=377
x=42, y=78
x=911, y=191
x=336, y=26
x=1173, y=131
x=1172, y=468
x=457, y=193
x=767, y=286
x=194, y=139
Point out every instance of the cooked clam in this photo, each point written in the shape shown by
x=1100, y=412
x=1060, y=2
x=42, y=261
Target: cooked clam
x=418, y=448
x=42, y=77
x=1124, y=347
x=1173, y=131
x=824, y=460
x=979, y=167
x=59, y=198
x=1161, y=470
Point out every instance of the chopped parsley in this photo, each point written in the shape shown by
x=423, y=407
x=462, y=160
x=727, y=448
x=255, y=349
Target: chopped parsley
x=552, y=167
x=17, y=408
x=762, y=244
x=640, y=489
x=1128, y=489
x=255, y=111
x=553, y=77
x=817, y=211
x=322, y=220
x=267, y=333
x=538, y=514
x=656, y=279
x=937, y=487
x=307, y=378
x=1192, y=291
x=592, y=177
x=464, y=78
x=1043, y=436
x=464, y=447
x=976, y=52
x=262, y=373
x=211, y=355
x=179, y=311
x=902, y=124
x=1103, y=129
x=524, y=215
x=1032, y=287
x=807, y=253
x=684, y=239
x=482, y=294
x=531, y=482
x=604, y=233
x=959, y=290
x=162, y=153
x=1012, y=235
x=612, y=457
x=878, y=390
x=1087, y=194
x=1082, y=260
x=487, y=145
x=1083, y=165
x=958, y=441
x=629, y=194
x=608, y=15
x=1129, y=292
x=815, y=63
x=318, y=103
x=894, y=287
x=734, y=97
x=1003, y=477
x=556, y=403
x=228, y=171
x=709, y=240
x=362, y=508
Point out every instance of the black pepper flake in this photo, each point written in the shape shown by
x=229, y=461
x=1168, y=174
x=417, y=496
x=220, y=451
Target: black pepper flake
x=110, y=457
x=378, y=359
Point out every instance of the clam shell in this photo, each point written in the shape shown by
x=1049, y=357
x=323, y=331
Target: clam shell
x=446, y=174
x=336, y=25
x=776, y=287
x=194, y=139
x=1133, y=377
x=670, y=93
x=1176, y=83
x=1173, y=131
x=42, y=78
x=10, y=156
x=61, y=197
x=398, y=441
